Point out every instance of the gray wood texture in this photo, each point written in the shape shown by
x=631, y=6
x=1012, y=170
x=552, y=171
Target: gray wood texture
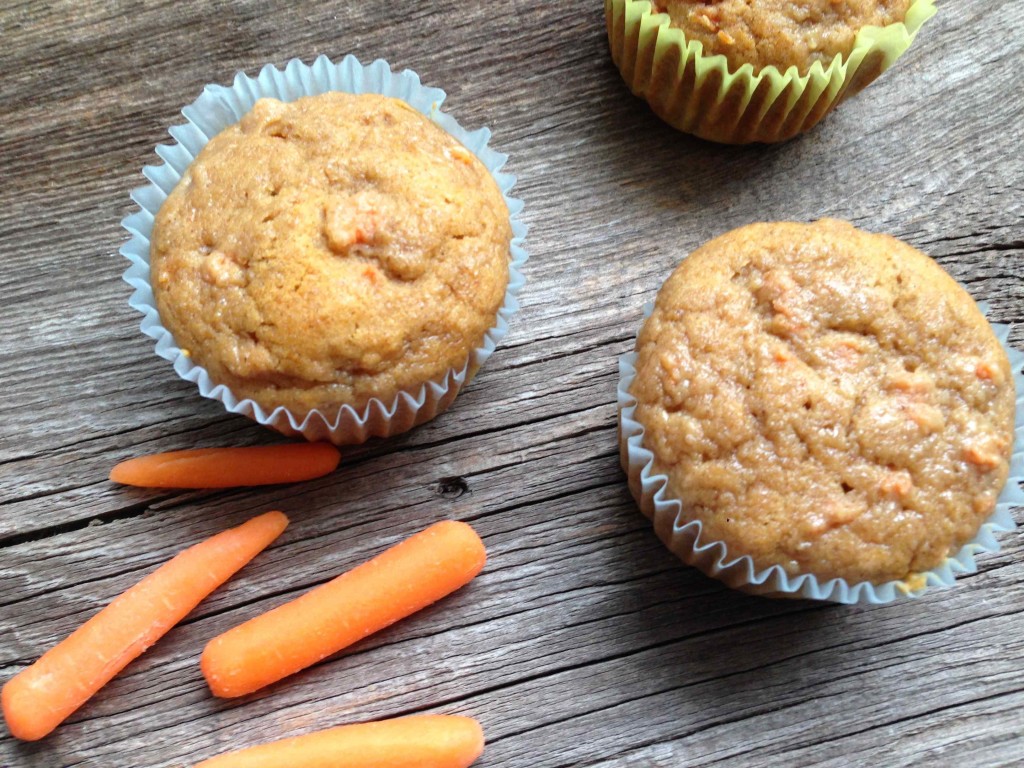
x=583, y=643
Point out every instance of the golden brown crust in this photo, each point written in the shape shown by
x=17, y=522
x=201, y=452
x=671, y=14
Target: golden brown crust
x=331, y=250
x=826, y=400
x=780, y=33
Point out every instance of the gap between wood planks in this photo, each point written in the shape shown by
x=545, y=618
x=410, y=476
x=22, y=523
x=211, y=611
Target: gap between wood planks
x=419, y=443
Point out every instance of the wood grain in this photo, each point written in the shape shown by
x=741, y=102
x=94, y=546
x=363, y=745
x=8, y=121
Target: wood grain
x=583, y=643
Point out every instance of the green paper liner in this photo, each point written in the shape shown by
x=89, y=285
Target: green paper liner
x=699, y=94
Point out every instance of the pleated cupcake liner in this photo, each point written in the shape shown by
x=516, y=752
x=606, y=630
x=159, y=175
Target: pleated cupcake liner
x=221, y=106
x=685, y=538
x=700, y=94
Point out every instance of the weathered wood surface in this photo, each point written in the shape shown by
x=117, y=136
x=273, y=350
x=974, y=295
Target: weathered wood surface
x=583, y=643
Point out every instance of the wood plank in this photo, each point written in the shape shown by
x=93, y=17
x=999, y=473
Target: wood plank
x=583, y=643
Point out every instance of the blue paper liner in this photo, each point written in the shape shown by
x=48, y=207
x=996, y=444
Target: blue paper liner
x=221, y=106
x=686, y=540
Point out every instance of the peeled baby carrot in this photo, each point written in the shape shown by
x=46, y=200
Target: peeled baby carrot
x=395, y=584
x=418, y=741
x=229, y=467
x=40, y=697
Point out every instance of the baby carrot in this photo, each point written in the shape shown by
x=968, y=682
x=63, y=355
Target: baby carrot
x=40, y=697
x=395, y=584
x=417, y=741
x=229, y=467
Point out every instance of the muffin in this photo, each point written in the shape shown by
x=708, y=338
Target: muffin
x=736, y=71
x=779, y=33
x=823, y=402
x=330, y=264
x=331, y=250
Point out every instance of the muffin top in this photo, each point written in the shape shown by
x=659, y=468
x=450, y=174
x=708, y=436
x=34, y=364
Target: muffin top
x=779, y=33
x=330, y=250
x=825, y=400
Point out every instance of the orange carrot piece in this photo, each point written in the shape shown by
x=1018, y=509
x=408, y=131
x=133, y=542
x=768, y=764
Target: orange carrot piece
x=417, y=741
x=395, y=584
x=40, y=697
x=229, y=467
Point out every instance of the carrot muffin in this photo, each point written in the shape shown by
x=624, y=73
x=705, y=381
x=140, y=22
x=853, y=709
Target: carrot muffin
x=329, y=251
x=779, y=33
x=825, y=400
x=741, y=71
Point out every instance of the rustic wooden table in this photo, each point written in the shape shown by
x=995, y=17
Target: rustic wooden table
x=583, y=642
